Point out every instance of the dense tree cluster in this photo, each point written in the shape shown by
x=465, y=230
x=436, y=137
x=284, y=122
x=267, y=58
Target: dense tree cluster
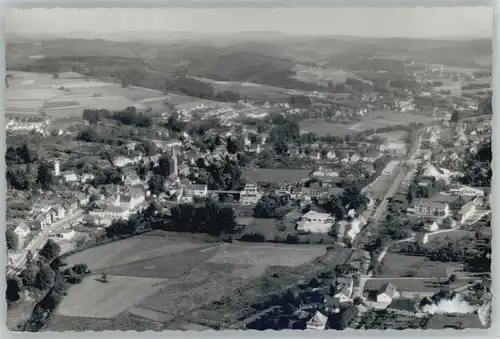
x=209, y=218
x=19, y=155
x=477, y=169
x=268, y=206
x=418, y=191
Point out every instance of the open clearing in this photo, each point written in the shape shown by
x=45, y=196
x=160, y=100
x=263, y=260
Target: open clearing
x=271, y=175
x=159, y=278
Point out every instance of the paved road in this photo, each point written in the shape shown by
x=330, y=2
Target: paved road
x=40, y=240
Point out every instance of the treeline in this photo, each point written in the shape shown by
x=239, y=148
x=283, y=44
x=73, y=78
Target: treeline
x=208, y=217
x=477, y=169
x=129, y=116
x=46, y=278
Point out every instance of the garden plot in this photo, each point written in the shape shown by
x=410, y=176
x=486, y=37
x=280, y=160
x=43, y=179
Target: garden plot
x=95, y=299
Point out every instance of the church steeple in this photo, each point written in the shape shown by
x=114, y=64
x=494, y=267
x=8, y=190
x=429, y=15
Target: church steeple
x=174, y=159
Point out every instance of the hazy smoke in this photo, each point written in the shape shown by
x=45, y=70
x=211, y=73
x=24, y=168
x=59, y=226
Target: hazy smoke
x=454, y=305
x=356, y=225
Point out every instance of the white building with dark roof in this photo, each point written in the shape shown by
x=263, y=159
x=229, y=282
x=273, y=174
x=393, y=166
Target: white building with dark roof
x=315, y=222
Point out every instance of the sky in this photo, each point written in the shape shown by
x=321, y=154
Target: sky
x=416, y=22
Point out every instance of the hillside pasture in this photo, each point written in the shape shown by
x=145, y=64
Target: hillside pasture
x=321, y=75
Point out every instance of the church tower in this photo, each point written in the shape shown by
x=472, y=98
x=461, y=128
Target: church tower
x=174, y=161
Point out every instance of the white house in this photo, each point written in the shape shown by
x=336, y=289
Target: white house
x=58, y=212
x=131, y=179
x=386, y=293
x=467, y=211
x=192, y=191
x=431, y=227
x=331, y=155
x=315, y=156
x=355, y=157
x=250, y=195
x=21, y=230
x=133, y=198
x=317, y=322
x=86, y=177
x=467, y=191
x=315, y=222
x=426, y=207
x=111, y=212
x=344, y=289
x=70, y=176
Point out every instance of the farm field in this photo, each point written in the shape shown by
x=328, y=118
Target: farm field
x=271, y=175
x=380, y=186
x=323, y=128
x=29, y=91
x=159, y=278
x=322, y=75
x=374, y=119
x=393, y=136
x=399, y=265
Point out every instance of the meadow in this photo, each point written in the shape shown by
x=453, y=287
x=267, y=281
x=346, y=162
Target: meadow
x=160, y=277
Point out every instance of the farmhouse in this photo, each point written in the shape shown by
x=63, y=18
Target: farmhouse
x=386, y=293
x=315, y=222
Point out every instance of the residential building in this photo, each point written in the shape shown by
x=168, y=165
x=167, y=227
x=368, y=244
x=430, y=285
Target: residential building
x=194, y=191
x=133, y=198
x=355, y=157
x=467, y=211
x=331, y=155
x=57, y=169
x=83, y=199
x=254, y=149
x=70, y=176
x=386, y=293
x=132, y=179
x=344, y=288
x=41, y=222
x=86, y=177
x=427, y=207
x=250, y=195
x=317, y=322
x=58, y=212
x=71, y=206
x=431, y=227
x=315, y=155
x=111, y=212
x=467, y=191
x=315, y=222
x=21, y=230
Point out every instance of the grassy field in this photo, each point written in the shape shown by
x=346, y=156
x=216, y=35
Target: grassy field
x=374, y=119
x=270, y=175
x=322, y=75
x=322, y=128
x=398, y=265
x=158, y=278
x=95, y=299
x=27, y=90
